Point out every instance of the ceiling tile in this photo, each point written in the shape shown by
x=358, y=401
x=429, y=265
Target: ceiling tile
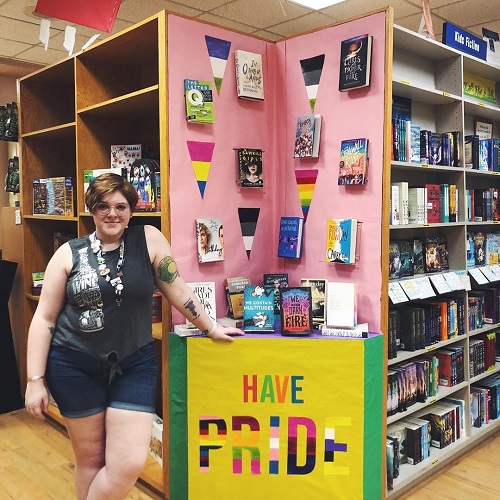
x=11, y=48
x=20, y=31
x=437, y=3
x=413, y=23
x=267, y=35
x=131, y=10
x=219, y=21
x=179, y=8
x=23, y=10
x=354, y=8
x=479, y=12
x=56, y=41
x=261, y=13
x=204, y=5
x=302, y=24
x=39, y=55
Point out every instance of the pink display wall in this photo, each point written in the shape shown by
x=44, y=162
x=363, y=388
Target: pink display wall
x=270, y=125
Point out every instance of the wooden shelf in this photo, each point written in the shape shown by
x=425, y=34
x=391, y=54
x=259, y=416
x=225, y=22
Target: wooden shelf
x=58, y=132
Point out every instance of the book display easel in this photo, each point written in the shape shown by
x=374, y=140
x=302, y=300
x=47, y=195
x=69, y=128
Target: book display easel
x=72, y=112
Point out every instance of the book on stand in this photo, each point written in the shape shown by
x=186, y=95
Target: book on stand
x=209, y=241
x=296, y=311
x=205, y=292
x=123, y=155
x=353, y=161
x=249, y=76
x=250, y=167
x=355, y=62
x=199, y=101
x=279, y=281
x=307, y=136
x=234, y=295
x=341, y=241
x=290, y=237
x=341, y=304
x=258, y=308
x=318, y=294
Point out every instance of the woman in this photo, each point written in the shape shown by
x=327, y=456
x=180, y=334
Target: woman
x=253, y=174
x=205, y=237
x=90, y=339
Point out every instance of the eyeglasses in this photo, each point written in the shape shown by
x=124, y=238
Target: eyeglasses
x=104, y=209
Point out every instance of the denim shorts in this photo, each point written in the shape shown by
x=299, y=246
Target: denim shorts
x=81, y=384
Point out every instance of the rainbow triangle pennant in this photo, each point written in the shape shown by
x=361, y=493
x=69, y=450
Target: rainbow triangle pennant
x=306, y=181
x=311, y=71
x=248, y=222
x=201, y=156
x=218, y=51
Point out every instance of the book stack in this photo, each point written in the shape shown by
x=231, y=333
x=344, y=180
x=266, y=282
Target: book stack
x=54, y=196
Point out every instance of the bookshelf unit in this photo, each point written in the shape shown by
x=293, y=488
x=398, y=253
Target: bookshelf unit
x=70, y=114
x=431, y=75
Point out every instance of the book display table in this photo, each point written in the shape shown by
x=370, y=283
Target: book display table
x=271, y=416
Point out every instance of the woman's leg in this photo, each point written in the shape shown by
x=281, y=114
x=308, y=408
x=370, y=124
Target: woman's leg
x=128, y=434
x=87, y=436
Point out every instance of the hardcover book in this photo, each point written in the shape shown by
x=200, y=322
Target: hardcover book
x=342, y=304
x=307, y=136
x=209, y=239
x=250, y=167
x=205, y=291
x=432, y=257
x=318, y=294
x=296, y=311
x=234, y=294
x=279, y=281
x=144, y=175
x=258, y=309
x=341, y=241
x=249, y=76
x=199, y=101
x=123, y=155
x=353, y=161
x=290, y=237
x=355, y=62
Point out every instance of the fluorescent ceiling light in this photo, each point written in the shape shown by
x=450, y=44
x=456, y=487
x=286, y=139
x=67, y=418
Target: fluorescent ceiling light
x=316, y=4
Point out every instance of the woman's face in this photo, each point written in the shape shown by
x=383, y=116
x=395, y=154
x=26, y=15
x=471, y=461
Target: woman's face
x=110, y=227
x=252, y=168
x=203, y=238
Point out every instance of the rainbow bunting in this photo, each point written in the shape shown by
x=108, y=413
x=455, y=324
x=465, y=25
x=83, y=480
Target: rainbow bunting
x=218, y=51
x=311, y=71
x=248, y=222
x=306, y=181
x=201, y=156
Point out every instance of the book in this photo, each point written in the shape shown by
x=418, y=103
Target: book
x=341, y=304
x=278, y=281
x=123, y=155
x=249, y=76
x=395, y=215
x=318, y=294
x=296, y=311
x=234, y=295
x=186, y=331
x=353, y=161
x=360, y=331
x=479, y=87
x=205, y=291
x=156, y=440
x=341, y=241
x=290, y=237
x=199, y=101
x=403, y=202
x=414, y=156
x=144, y=175
x=230, y=322
x=210, y=243
x=258, y=308
x=307, y=136
x=60, y=238
x=355, y=62
x=250, y=167
x=394, y=260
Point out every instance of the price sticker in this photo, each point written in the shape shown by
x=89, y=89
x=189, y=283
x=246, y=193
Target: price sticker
x=404, y=82
x=446, y=94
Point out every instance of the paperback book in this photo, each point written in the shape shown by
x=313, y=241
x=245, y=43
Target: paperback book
x=341, y=241
x=258, y=308
x=307, y=136
x=279, y=281
x=296, y=311
x=249, y=76
x=250, y=168
x=353, y=161
x=318, y=295
x=342, y=304
x=234, y=295
x=290, y=237
x=355, y=62
x=205, y=291
x=209, y=239
x=123, y=155
x=199, y=101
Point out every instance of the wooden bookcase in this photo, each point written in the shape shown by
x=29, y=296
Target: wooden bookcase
x=71, y=113
x=431, y=74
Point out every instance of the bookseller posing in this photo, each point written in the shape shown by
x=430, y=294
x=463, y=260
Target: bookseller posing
x=90, y=339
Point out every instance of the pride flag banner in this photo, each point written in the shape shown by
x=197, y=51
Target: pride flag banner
x=311, y=71
x=306, y=181
x=218, y=51
x=248, y=223
x=201, y=157
x=294, y=418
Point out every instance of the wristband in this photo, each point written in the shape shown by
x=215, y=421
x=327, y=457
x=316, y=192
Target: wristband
x=212, y=330
x=36, y=377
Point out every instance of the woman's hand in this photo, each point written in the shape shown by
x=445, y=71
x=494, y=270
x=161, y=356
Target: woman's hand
x=36, y=398
x=223, y=334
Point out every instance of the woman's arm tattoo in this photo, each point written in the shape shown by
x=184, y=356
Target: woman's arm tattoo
x=167, y=270
x=189, y=305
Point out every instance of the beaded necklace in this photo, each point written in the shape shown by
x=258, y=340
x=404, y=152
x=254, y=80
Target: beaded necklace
x=104, y=270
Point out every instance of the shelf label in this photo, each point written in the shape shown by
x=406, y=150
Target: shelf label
x=431, y=348
x=435, y=461
x=404, y=82
x=446, y=94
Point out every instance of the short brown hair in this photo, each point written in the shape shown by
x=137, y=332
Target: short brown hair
x=109, y=183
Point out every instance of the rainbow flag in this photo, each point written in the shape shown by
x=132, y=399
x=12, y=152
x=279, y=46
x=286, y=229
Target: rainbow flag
x=306, y=181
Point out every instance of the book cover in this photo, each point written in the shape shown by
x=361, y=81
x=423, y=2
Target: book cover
x=414, y=144
x=432, y=261
x=123, y=155
x=307, y=136
x=278, y=281
x=355, y=62
x=296, y=311
x=406, y=257
x=205, y=291
x=143, y=174
x=318, y=294
x=479, y=87
x=249, y=76
x=394, y=260
x=258, y=308
x=290, y=237
x=433, y=203
x=479, y=250
x=250, y=167
x=234, y=295
x=199, y=101
x=209, y=239
x=341, y=241
x=342, y=304
x=436, y=149
x=353, y=161
x=56, y=191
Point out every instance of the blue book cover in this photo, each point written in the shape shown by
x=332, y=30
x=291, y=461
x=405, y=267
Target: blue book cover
x=290, y=237
x=341, y=241
x=258, y=308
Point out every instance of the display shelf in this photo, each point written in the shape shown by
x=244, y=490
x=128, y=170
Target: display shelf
x=484, y=329
x=485, y=374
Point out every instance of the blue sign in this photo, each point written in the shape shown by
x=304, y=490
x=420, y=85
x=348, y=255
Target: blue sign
x=466, y=42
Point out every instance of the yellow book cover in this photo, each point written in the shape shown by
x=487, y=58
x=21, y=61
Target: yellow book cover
x=479, y=88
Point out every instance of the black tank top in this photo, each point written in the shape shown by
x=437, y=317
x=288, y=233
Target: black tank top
x=91, y=320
